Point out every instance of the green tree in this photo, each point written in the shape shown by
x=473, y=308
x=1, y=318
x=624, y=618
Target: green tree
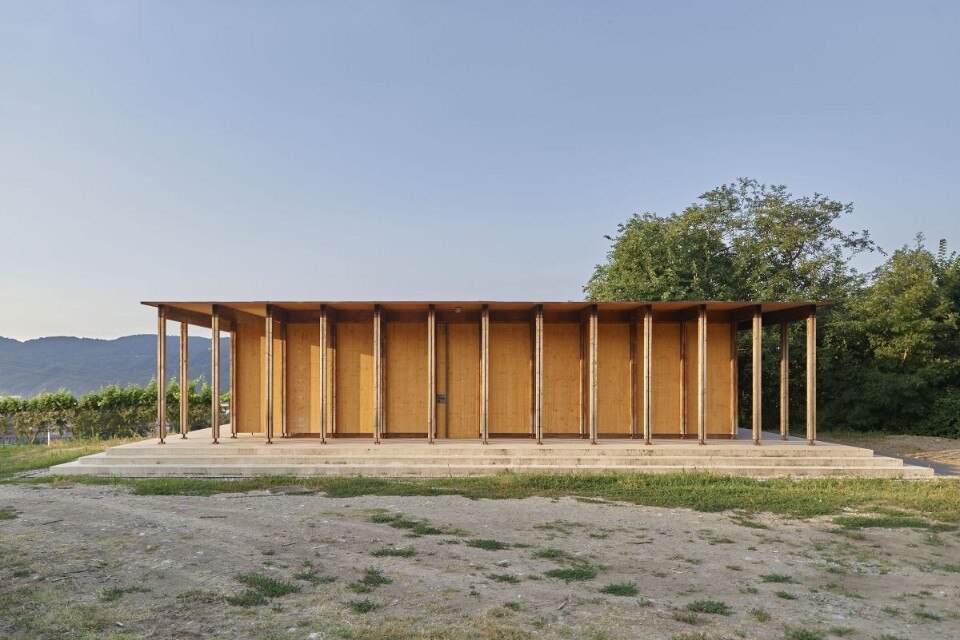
x=898, y=347
x=742, y=241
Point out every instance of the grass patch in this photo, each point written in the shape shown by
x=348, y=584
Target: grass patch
x=362, y=606
x=267, y=586
x=786, y=595
x=416, y=527
x=557, y=555
x=687, y=618
x=16, y=459
x=372, y=578
x=7, y=513
x=571, y=574
x=246, y=598
x=709, y=606
x=939, y=499
x=922, y=614
x=620, y=589
x=777, y=578
x=112, y=594
x=393, y=552
x=887, y=521
x=760, y=615
x=803, y=634
x=503, y=577
x=313, y=577
x=488, y=545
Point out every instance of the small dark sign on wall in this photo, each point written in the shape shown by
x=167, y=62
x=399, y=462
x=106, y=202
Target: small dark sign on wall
x=441, y=398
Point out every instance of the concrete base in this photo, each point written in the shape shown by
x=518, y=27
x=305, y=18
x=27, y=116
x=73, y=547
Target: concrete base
x=249, y=455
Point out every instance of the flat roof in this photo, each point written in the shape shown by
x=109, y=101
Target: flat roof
x=259, y=307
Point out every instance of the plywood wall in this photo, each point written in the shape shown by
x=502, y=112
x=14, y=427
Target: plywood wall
x=613, y=378
x=354, y=373
x=279, y=402
x=665, y=379
x=458, y=376
x=511, y=378
x=303, y=379
x=251, y=381
x=561, y=378
x=718, y=379
x=405, y=344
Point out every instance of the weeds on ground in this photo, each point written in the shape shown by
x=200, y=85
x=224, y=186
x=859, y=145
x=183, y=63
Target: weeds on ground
x=620, y=589
x=362, y=606
x=488, y=545
x=394, y=552
x=777, y=578
x=786, y=595
x=937, y=499
x=112, y=594
x=8, y=513
x=687, y=618
x=372, y=578
x=571, y=574
x=709, y=606
x=760, y=615
x=313, y=577
x=503, y=577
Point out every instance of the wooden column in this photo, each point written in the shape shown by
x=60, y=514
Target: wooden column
x=702, y=374
x=323, y=374
x=184, y=381
x=215, y=374
x=431, y=374
x=757, y=348
x=584, y=400
x=647, y=356
x=538, y=374
x=592, y=373
x=683, y=379
x=484, y=372
x=161, y=374
x=268, y=401
x=233, y=379
x=812, y=376
x=377, y=374
x=332, y=330
x=634, y=375
x=784, y=382
x=734, y=383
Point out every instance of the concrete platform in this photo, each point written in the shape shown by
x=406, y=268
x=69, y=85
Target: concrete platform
x=249, y=455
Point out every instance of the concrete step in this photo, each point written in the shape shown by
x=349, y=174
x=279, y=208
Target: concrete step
x=512, y=461
x=490, y=451
x=232, y=470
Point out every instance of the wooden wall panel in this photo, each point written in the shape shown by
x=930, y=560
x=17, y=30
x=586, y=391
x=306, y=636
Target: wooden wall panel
x=613, y=378
x=405, y=348
x=303, y=378
x=251, y=380
x=665, y=379
x=561, y=378
x=279, y=405
x=458, y=371
x=718, y=379
x=511, y=378
x=354, y=374
x=690, y=377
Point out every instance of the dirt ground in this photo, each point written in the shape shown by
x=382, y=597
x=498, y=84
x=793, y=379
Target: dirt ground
x=97, y=561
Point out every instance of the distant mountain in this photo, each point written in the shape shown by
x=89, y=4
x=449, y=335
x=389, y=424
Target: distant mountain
x=86, y=364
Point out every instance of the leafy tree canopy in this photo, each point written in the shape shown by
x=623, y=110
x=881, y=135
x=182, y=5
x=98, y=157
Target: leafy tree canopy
x=741, y=241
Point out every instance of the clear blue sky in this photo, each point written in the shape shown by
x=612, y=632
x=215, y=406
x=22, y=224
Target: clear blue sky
x=435, y=150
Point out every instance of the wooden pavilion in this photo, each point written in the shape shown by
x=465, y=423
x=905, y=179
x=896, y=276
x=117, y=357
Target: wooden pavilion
x=481, y=370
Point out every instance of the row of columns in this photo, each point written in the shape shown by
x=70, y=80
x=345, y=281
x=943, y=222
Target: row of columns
x=185, y=377
x=592, y=375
